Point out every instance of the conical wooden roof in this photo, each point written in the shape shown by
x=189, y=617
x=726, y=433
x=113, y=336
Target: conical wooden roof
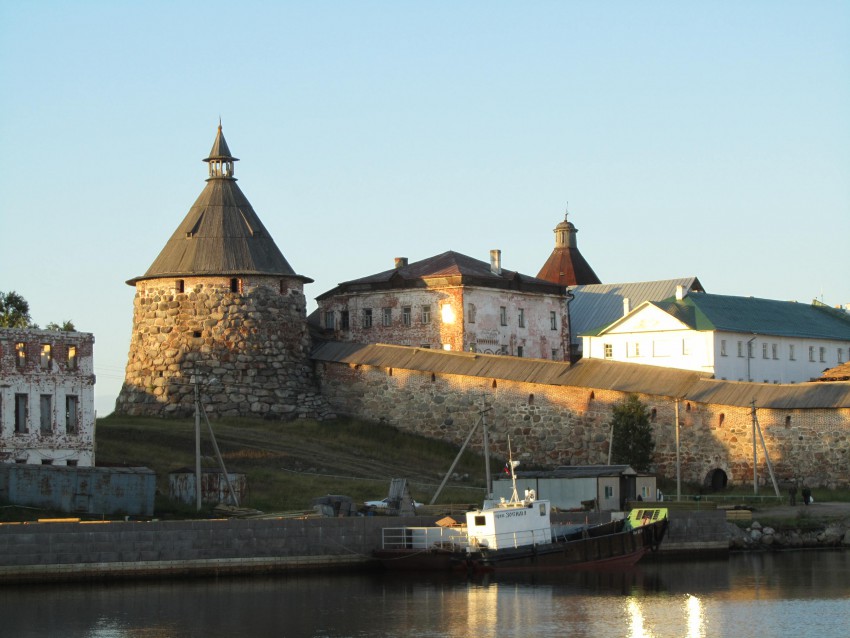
x=221, y=234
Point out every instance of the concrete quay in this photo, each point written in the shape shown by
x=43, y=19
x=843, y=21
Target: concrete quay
x=80, y=551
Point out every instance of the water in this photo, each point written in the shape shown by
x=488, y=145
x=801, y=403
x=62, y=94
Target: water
x=790, y=594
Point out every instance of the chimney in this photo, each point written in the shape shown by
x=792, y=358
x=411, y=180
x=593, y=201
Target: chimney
x=627, y=306
x=400, y=262
x=680, y=292
x=496, y=262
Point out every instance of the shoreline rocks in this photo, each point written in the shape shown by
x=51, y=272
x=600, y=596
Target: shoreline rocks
x=761, y=537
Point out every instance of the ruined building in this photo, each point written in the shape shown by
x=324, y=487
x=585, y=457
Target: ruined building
x=46, y=397
x=222, y=309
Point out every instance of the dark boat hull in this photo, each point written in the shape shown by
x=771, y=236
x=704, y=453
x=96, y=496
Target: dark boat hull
x=601, y=549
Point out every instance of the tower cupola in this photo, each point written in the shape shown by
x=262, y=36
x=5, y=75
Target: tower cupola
x=220, y=160
x=566, y=266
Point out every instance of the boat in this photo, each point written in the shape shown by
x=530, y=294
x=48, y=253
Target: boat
x=518, y=535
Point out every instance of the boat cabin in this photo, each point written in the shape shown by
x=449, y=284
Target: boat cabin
x=510, y=524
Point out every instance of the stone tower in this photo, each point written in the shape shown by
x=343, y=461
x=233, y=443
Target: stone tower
x=566, y=266
x=220, y=305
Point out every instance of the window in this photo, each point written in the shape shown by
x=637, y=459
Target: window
x=47, y=461
x=609, y=350
x=426, y=314
x=72, y=358
x=367, y=317
x=329, y=320
x=72, y=409
x=343, y=320
x=553, y=320
x=521, y=318
x=387, y=317
x=811, y=353
x=470, y=313
x=71, y=462
x=740, y=348
x=686, y=347
x=46, y=356
x=236, y=285
x=554, y=354
x=791, y=353
x=519, y=351
x=503, y=316
x=21, y=351
x=764, y=351
x=179, y=285
x=609, y=491
x=503, y=350
x=774, y=350
x=749, y=349
x=822, y=354
x=723, y=347
x=633, y=349
x=46, y=414
x=22, y=410
x=405, y=316
x=425, y=345
x=841, y=355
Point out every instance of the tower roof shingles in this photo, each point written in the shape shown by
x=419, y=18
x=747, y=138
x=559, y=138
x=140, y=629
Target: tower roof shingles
x=221, y=235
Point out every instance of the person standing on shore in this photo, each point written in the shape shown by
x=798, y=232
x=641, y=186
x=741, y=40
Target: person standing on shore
x=807, y=495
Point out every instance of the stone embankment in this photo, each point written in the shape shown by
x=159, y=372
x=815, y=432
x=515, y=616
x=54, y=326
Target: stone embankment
x=763, y=537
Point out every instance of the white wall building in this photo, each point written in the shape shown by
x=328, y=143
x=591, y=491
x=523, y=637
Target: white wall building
x=733, y=338
x=451, y=302
x=46, y=397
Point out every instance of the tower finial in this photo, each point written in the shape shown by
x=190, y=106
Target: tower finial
x=567, y=211
x=219, y=123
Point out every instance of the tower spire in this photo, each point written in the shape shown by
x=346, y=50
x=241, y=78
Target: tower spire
x=220, y=160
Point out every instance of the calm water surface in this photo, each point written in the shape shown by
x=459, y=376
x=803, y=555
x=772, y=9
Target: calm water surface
x=794, y=594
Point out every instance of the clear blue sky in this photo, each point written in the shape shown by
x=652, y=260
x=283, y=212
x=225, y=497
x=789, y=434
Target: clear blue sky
x=689, y=138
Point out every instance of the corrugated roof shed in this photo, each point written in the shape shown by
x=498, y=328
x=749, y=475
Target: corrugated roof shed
x=598, y=305
x=590, y=373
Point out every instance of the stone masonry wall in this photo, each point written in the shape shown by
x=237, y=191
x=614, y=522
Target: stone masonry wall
x=249, y=349
x=559, y=425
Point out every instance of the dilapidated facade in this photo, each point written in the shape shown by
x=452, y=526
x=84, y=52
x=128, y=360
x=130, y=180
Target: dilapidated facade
x=450, y=302
x=46, y=397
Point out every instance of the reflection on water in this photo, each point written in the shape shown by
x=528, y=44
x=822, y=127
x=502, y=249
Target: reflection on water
x=799, y=594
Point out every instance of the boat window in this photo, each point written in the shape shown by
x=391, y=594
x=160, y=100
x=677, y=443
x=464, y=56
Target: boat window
x=542, y=509
x=480, y=520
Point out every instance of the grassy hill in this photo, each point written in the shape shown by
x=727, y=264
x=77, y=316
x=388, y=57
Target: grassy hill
x=288, y=464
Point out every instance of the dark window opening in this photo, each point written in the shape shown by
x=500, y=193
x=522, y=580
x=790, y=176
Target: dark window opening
x=721, y=419
x=788, y=421
x=531, y=399
x=236, y=285
x=179, y=285
x=196, y=334
x=493, y=384
x=46, y=414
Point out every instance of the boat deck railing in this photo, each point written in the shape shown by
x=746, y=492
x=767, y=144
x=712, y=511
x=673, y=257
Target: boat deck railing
x=453, y=538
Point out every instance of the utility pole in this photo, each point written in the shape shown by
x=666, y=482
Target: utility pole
x=678, y=460
x=755, y=453
x=197, y=444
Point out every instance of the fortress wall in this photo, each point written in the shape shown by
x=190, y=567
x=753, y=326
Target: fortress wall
x=562, y=425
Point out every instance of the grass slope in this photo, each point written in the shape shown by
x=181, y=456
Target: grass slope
x=288, y=464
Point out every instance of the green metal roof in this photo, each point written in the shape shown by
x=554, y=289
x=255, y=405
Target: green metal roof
x=704, y=311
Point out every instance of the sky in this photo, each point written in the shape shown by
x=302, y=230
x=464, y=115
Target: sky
x=707, y=139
